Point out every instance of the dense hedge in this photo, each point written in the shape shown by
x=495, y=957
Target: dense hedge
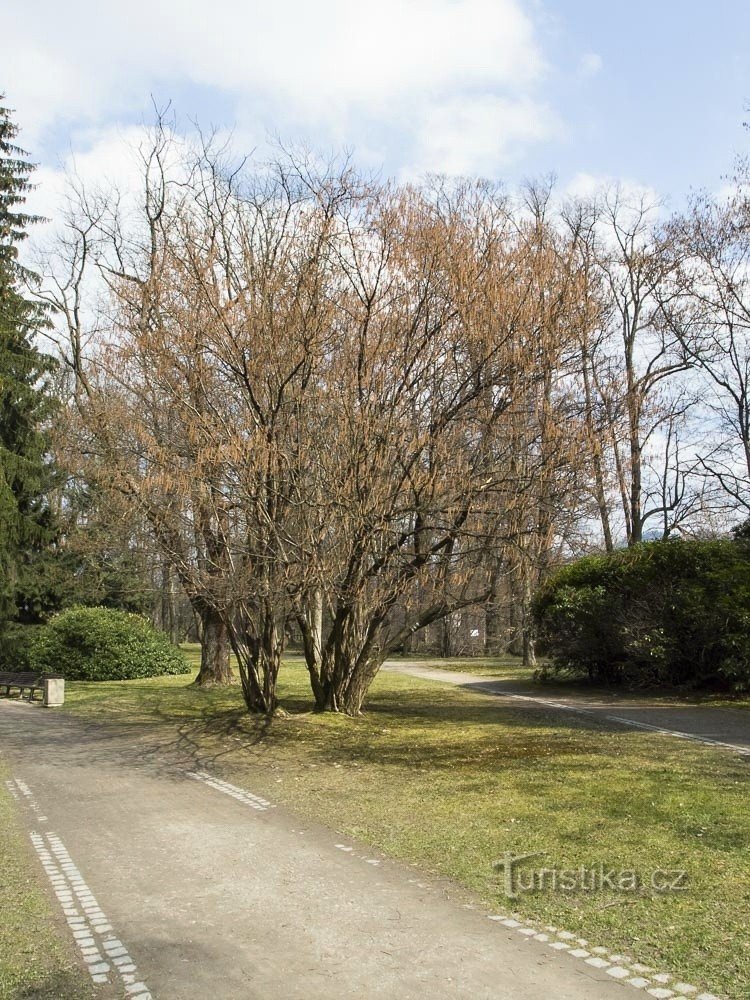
x=102, y=644
x=660, y=613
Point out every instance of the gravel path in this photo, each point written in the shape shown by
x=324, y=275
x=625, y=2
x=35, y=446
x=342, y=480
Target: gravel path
x=180, y=887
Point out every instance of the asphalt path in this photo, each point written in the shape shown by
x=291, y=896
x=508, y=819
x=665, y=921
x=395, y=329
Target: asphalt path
x=727, y=728
x=180, y=887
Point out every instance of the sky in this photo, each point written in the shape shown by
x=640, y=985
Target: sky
x=648, y=93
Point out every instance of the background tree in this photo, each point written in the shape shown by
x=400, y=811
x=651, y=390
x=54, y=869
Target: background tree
x=26, y=523
x=635, y=401
x=710, y=315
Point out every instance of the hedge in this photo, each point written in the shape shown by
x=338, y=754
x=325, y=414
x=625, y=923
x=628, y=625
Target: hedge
x=674, y=613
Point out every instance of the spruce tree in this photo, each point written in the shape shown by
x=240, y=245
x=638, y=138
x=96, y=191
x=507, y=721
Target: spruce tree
x=25, y=399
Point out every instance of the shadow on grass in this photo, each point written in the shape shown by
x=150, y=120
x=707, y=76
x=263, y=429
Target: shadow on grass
x=175, y=727
x=405, y=727
x=57, y=985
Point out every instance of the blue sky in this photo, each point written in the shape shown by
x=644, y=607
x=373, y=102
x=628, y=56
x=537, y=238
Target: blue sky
x=649, y=93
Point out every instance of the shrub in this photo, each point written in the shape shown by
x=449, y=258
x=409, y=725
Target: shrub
x=103, y=644
x=671, y=613
x=17, y=647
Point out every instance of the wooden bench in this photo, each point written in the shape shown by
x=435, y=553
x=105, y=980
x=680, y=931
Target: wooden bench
x=28, y=684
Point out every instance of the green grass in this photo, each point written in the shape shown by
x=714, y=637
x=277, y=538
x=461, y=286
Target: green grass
x=37, y=957
x=450, y=780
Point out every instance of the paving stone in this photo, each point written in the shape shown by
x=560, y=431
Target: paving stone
x=115, y=952
x=598, y=963
x=618, y=972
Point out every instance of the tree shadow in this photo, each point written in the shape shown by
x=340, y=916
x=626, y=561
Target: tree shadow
x=62, y=984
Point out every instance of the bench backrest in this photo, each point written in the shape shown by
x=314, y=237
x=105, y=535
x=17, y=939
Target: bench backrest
x=26, y=677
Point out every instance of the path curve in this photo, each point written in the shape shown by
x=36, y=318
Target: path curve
x=726, y=728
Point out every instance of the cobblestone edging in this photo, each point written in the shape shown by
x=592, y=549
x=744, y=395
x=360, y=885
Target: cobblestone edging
x=106, y=957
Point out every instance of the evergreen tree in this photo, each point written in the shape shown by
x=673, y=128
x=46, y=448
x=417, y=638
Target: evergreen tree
x=26, y=529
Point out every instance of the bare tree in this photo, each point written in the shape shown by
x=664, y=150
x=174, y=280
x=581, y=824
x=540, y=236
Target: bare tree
x=710, y=315
x=430, y=349
x=630, y=361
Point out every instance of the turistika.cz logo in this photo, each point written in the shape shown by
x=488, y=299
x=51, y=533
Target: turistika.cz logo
x=519, y=878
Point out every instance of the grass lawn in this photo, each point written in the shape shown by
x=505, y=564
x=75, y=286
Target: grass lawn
x=37, y=956
x=450, y=780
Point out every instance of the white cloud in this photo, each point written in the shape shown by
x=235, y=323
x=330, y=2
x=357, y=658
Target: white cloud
x=588, y=186
x=479, y=133
x=591, y=64
x=334, y=67
x=107, y=160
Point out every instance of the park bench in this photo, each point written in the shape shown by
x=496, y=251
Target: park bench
x=29, y=683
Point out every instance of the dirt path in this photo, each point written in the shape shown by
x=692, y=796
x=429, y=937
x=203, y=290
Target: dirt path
x=723, y=727
x=177, y=887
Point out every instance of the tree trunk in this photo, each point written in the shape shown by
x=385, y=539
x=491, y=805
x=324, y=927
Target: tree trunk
x=346, y=689
x=529, y=648
x=493, y=617
x=349, y=665
x=315, y=618
x=310, y=621
x=258, y=645
x=215, y=667
x=515, y=645
x=168, y=616
x=446, y=637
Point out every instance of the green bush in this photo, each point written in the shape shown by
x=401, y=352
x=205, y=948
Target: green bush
x=102, y=644
x=17, y=647
x=673, y=613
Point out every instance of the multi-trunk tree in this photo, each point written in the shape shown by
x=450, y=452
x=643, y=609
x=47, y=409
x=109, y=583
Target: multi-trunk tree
x=298, y=379
x=358, y=408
